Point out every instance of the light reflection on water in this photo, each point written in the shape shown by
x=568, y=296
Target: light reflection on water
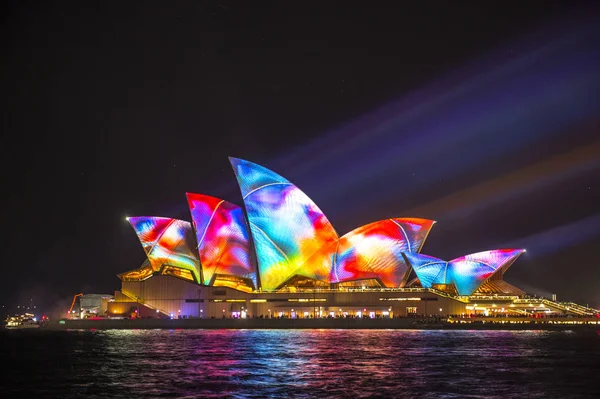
x=301, y=363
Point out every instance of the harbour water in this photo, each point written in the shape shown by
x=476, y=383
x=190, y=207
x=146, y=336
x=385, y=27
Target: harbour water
x=300, y=364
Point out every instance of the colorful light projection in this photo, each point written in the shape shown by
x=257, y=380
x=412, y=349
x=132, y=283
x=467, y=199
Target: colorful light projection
x=429, y=270
x=167, y=242
x=292, y=237
x=319, y=265
x=467, y=273
x=223, y=238
x=287, y=227
x=375, y=250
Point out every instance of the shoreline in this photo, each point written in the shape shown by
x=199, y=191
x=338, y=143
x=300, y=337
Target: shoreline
x=286, y=324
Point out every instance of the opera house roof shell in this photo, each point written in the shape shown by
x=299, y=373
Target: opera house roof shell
x=281, y=236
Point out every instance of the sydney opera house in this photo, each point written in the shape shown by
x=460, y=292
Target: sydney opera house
x=279, y=256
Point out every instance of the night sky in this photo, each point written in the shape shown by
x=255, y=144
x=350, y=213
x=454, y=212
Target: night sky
x=484, y=116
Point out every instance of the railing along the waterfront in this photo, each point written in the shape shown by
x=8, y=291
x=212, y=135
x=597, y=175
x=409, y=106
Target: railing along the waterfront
x=587, y=310
x=564, y=306
x=490, y=298
x=516, y=319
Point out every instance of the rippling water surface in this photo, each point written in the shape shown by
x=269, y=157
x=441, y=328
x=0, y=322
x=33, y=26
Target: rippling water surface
x=300, y=363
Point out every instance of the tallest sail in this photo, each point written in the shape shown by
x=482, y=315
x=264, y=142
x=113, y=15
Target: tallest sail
x=286, y=225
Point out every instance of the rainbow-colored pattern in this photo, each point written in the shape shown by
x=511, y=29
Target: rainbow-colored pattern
x=223, y=238
x=167, y=242
x=287, y=226
x=291, y=236
x=467, y=273
x=375, y=250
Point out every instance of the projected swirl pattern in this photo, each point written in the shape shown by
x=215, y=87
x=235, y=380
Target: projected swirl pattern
x=467, y=273
x=167, y=242
x=375, y=250
x=286, y=225
x=222, y=236
x=291, y=237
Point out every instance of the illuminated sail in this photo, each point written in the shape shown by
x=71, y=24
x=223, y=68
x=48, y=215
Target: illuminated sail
x=470, y=271
x=167, y=242
x=223, y=238
x=467, y=273
x=375, y=250
x=286, y=225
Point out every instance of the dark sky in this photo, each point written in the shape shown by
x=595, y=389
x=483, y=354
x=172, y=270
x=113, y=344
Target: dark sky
x=480, y=115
